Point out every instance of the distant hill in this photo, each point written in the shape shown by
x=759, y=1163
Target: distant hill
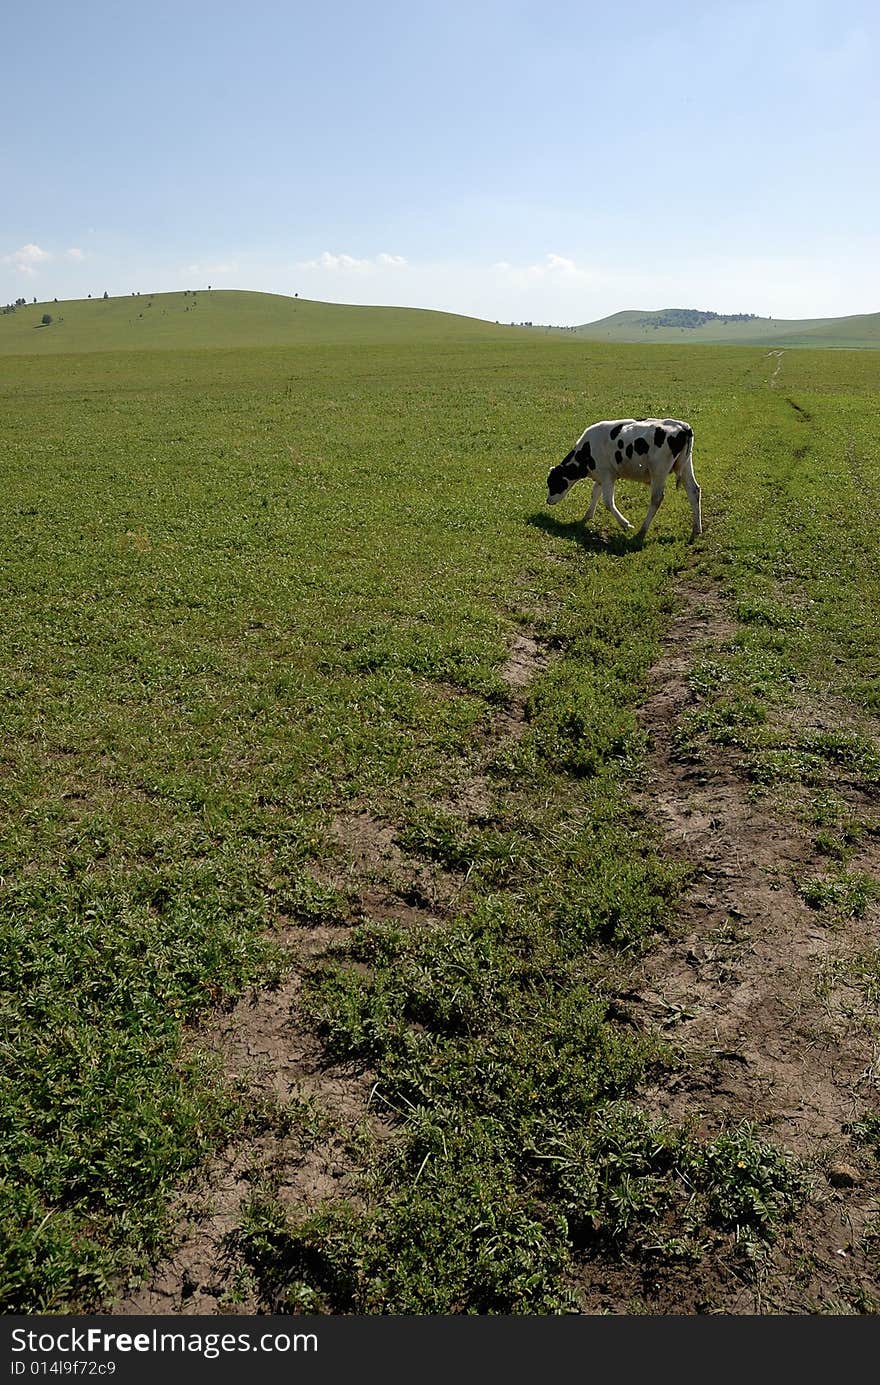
x=220, y=318
x=741, y=329
x=217, y=318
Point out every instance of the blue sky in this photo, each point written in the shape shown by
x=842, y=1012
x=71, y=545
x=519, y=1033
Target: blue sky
x=548, y=162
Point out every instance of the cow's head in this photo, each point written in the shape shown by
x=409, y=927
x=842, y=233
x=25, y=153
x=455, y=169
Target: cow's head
x=577, y=464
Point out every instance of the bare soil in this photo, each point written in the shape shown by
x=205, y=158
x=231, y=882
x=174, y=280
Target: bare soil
x=757, y=990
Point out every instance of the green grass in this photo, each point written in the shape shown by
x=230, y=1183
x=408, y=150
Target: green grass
x=793, y=689
x=250, y=590
x=457, y=1234
x=220, y=318
x=862, y=330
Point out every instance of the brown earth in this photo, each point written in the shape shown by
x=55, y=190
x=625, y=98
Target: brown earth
x=757, y=990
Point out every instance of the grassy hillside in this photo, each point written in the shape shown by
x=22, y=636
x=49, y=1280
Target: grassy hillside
x=862, y=330
x=230, y=319
x=220, y=318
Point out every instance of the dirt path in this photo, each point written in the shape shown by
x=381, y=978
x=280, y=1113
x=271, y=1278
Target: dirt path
x=266, y=1047
x=778, y=354
x=758, y=990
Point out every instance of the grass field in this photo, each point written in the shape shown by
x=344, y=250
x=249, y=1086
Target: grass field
x=259, y=590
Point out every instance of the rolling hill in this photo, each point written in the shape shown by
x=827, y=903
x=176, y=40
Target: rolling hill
x=231, y=318
x=861, y=330
x=220, y=318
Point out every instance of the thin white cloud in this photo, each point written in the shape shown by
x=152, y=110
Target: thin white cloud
x=27, y=257
x=559, y=262
x=74, y=253
x=335, y=264
x=550, y=265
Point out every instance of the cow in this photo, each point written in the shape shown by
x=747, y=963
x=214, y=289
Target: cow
x=630, y=449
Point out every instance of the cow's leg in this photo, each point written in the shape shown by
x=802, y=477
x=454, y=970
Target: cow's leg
x=687, y=479
x=594, y=500
x=693, y=495
x=608, y=498
x=658, y=489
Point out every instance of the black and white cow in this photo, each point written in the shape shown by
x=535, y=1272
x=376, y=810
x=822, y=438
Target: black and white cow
x=630, y=449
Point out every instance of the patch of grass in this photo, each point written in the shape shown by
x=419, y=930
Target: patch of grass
x=847, y=750
x=439, y=835
x=783, y=764
x=802, y=583
x=867, y=692
x=829, y=810
x=840, y=830
x=864, y=969
x=766, y=613
x=459, y=1239
x=96, y=1115
x=305, y=900
x=489, y=1224
x=846, y=894
x=749, y=1185
x=867, y=1132
x=726, y=723
x=621, y=1177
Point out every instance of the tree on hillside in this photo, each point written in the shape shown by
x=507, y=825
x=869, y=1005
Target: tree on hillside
x=106, y=294
x=46, y=319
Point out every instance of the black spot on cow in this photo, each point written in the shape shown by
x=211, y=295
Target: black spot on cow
x=629, y=449
x=615, y=430
x=556, y=481
x=584, y=459
x=618, y=457
x=659, y=437
x=641, y=445
x=678, y=440
x=568, y=467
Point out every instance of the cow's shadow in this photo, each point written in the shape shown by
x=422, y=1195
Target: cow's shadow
x=592, y=540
